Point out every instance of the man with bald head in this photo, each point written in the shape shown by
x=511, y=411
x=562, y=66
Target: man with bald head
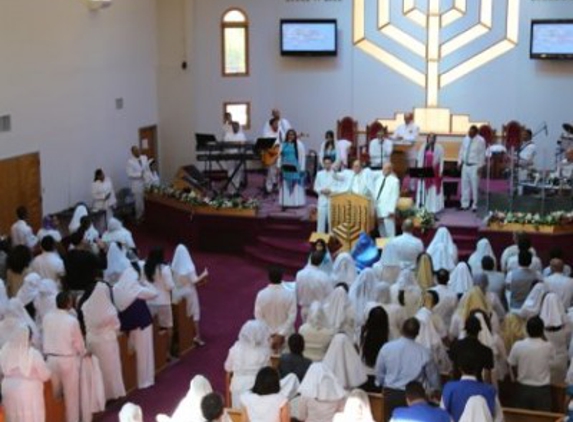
x=408, y=247
x=385, y=192
x=408, y=131
x=559, y=283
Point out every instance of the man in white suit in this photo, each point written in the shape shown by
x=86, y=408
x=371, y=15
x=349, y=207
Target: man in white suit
x=385, y=193
x=324, y=186
x=471, y=159
x=135, y=169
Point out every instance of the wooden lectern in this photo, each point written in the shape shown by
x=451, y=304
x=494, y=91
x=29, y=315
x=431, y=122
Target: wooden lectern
x=350, y=215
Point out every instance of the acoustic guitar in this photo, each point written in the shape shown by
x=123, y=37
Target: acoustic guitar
x=270, y=156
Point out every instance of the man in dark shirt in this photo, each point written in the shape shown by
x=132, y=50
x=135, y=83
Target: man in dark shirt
x=294, y=362
x=81, y=266
x=470, y=347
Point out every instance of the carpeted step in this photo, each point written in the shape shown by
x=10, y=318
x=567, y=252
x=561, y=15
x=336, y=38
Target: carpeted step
x=291, y=247
x=286, y=231
x=263, y=258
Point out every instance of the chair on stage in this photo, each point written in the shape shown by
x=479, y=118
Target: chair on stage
x=347, y=128
x=511, y=134
x=488, y=134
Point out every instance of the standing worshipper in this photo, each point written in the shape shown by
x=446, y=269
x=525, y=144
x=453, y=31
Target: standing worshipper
x=103, y=193
x=344, y=362
x=49, y=264
x=483, y=248
x=294, y=362
x=312, y=284
x=407, y=131
x=373, y=335
x=448, y=299
x=64, y=348
x=328, y=148
x=418, y=407
x=339, y=311
x=408, y=247
x=316, y=333
x=276, y=307
x=461, y=280
x=530, y=361
x=521, y=241
x=471, y=159
x=321, y=395
x=356, y=409
x=357, y=180
x=18, y=263
x=117, y=233
x=496, y=280
x=380, y=150
x=135, y=169
x=430, y=193
x=520, y=281
x=324, y=187
x=385, y=192
x=558, y=333
x=186, y=282
x=24, y=372
x=21, y=233
x=401, y=361
x=344, y=269
x=246, y=357
x=557, y=282
x=101, y=322
x=264, y=402
x=117, y=263
x=292, y=162
x=443, y=250
x=130, y=295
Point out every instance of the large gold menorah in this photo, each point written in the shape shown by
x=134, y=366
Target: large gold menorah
x=433, y=50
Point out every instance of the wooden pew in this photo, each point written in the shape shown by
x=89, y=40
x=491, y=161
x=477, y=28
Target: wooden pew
x=183, y=328
x=236, y=415
x=558, y=397
x=55, y=406
x=377, y=406
x=520, y=415
x=128, y=363
x=160, y=347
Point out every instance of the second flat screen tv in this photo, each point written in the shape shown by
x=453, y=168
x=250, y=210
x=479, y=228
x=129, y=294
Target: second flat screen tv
x=308, y=37
x=551, y=39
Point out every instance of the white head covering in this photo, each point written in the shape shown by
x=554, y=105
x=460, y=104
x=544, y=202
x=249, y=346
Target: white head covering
x=254, y=333
x=99, y=307
x=382, y=293
x=446, y=255
x=485, y=337
x=428, y=335
x=130, y=413
x=476, y=410
x=316, y=317
x=407, y=278
x=189, y=409
x=182, y=263
x=15, y=317
x=321, y=384
x=364, y=290
x=117, y=263
x=114, y=224
x=45, y=301
x=289, y=386
x=552, y=312
x=356, y=409
x=344, y=269
x=337, y=307
x=532, y=305
x=16, y=354
x=127, y=289
x=461, y=279
x=483, y=248
x=29, y=289
x=3, y=298
x=344, y=361
x=79, y=212
x=390, y=254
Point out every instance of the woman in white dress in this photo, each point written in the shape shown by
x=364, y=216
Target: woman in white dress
x=344, y=269
x=345, y=363
x=407, y=292
x=292, y=165
x=356, y=409
x=186, y=282
x=117, y=263
x=101, y=322
x=321, y=395
x=264, y=402
x=558, y=333
x=24, y=372
x=461, y=280
x=103, y=193
x=443, y=250
x=250, y=353
x=365, y=289
x=430, y=192
x=117, y=233
x=16, y=316
x=339, y=312
x=316, y=332
x=483, y=248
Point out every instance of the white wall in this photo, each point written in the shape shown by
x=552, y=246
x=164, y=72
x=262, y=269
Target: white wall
x=61, y=69
x=314, y=92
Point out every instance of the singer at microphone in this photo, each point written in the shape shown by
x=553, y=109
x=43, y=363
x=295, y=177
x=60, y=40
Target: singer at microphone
x=526, y=155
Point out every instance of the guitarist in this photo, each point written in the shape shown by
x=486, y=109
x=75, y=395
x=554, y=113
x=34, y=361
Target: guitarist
x=274, y=128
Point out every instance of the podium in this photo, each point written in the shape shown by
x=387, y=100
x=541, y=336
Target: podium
x=350, y=215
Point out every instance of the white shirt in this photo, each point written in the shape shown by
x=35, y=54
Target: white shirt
x=408, y=247
x=527, y=154
x=380, y=153
x=532, y=357
x=356, y=183
x=49, y=265
x=509, y=252
x=513, y=263
x=103, y=194
x=447, y=304
x=312, y=284
x=561, y=285
x=342, y=147
x=472, y=151
x=62, y=334
x=22, y=234
x=276, y=306
x=135, y=168
x=265, y=408
x=324, y=180
x=407, y=132
x=385, y=191
x=235, y=137
x=163, y=282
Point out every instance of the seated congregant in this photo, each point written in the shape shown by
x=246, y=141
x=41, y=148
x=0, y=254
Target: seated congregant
x=294, y=362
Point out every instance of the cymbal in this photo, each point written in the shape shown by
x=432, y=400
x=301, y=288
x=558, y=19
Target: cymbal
x=568, y=128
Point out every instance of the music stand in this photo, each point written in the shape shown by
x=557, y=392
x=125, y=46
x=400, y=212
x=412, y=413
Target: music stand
x=422, y=173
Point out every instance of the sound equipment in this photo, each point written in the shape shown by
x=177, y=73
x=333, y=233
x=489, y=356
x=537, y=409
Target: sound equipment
x=190, y=177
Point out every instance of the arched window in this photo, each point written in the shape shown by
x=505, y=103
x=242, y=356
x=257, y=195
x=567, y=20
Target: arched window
x=235, y=43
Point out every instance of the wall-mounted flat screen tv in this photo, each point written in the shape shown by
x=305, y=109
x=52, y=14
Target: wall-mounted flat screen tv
x=309, y=37
x=551, y=39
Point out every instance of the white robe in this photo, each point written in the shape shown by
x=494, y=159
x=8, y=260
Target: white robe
x=185, y=278
x=380, y=154
x=103, y=195
x=443, y=250
x=344, y=269
x=386, y=198
x=117, y=233
x=294, y=196
x=102, y=328
x=316, y=333
x=483, y=248
x=339, y=312
x=49, y=265
x=276, y=306
x=343, y=360
x=135, y=170
x=429, y=198
x=407, y=249
x=21, y=234
x=324, y=180
x=311, y=284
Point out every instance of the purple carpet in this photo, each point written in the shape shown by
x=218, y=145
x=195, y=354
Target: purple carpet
x=226, y=303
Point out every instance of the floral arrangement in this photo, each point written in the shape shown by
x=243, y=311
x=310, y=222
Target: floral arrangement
x=556, y=218
x=426, y=219
x=194, y=199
